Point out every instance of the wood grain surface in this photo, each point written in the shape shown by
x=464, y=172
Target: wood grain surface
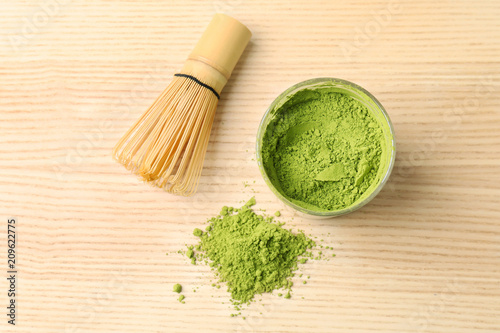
x=423, y=256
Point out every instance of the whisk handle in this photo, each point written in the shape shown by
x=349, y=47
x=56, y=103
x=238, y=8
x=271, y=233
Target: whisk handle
x=222, y=44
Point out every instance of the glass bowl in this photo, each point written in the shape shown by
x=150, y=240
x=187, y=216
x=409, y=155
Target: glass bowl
x=373, y=106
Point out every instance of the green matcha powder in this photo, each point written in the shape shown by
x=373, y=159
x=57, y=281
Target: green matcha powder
x=323, y=149
x=250, y=253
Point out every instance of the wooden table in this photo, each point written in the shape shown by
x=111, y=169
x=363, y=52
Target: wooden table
x=424, y=256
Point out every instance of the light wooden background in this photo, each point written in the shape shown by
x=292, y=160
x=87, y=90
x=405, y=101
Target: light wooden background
x=424, y=256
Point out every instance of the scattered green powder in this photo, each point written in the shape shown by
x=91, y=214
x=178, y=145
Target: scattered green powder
x=181, y=298
x=177, y=288
x=251, y=253
x=277, y=214
x=249, y=203
x=323, y=150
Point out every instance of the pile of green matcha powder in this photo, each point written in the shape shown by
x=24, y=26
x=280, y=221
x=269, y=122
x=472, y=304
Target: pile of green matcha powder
x=251, y=253
x=323, y=150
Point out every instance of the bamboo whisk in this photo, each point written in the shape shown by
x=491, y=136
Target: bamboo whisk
x=167, y=145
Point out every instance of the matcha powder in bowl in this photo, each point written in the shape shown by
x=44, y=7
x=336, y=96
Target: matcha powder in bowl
x=326, y=147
